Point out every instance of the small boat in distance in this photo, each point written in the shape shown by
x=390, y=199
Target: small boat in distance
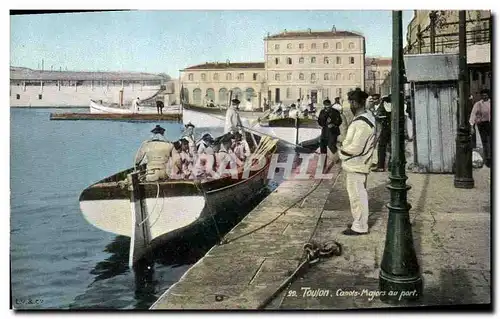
x=114, y=108
x=153, y=212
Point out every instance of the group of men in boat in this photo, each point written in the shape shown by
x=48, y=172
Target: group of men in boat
x=188, y=159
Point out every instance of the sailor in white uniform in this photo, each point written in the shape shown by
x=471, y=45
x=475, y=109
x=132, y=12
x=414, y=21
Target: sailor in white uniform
x=135, y=105
x=232, y=117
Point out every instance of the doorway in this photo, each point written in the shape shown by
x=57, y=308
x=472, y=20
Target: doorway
x=314, y=96
x=277, y=95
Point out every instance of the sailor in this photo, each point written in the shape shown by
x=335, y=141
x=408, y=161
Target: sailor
x=188, y=134
x=206, y=142
x=383, y=118
x=159, y=105
x=157, y=152
x=337, y=105
x=241, y=149
x=135, y=105
x=330, y=120
x=187, y=159
x=232, y=117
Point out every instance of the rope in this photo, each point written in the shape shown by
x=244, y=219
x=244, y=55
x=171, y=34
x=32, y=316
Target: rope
x=211, y=211
x=313, y=252
x=227, y=241
x=154, y=207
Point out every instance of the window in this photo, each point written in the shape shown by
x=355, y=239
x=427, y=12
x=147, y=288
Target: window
x=223, y=97
x=255, y=76
x=339, y=60
x=313, y=76
x=351, y=60
x=39, y=96
x=326, y=60
x=313, y=46
x=289, y=46
x=277, y=77
x=338, y=46
x=325, y=45
x=289, y=76
x=211, y=94
x=241, y=77
x=351, y=45
x=190, y=76
x=313, y=59
x=276, y=46
x=288, y=60
x=301, y=76
x=338, y=77
x=300, y=92
x=301, y=60
x=203, y=76
x=18, y=96
x=351, y=76
x=228, y=77
x=216, y=76
x=326, y=77
x=276, y=60
x=301, y=45
x=288, y=93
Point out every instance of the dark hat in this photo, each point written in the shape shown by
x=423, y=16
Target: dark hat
x=327, y=102
x=357, y=95
x=189, y=125
x=184, y=141
x=235, y=101
x=158, y=130
x=237, y=136
x=485, y=91
x=337, y=99
x=207, y=137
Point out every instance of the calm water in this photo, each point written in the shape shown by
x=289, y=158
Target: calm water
x=58, y=259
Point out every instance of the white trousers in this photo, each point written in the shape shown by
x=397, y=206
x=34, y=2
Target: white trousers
x=358, y=197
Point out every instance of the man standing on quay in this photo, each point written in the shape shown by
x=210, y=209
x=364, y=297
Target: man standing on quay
x=480, y=116
x=356, y=154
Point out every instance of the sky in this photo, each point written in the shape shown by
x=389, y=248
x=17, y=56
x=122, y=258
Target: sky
x=167, y=41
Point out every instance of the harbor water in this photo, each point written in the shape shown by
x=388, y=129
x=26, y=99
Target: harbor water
x=58, y=259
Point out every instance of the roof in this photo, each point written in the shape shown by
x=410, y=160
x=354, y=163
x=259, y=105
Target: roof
x=222, y=65
x=313, y=34
x=20, y=73
x=379, y=61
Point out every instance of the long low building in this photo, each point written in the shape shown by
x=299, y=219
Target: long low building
x=37, y=88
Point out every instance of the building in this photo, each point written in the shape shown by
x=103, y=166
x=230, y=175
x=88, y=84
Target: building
x=437, y=32
x=377, y=70
x=320, y=64
x=213, y=82
x=38, y=88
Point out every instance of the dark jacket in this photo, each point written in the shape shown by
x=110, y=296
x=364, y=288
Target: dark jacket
x=329, y=116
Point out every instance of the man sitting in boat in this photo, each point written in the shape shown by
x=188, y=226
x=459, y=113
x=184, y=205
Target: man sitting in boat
x=226, y=161
x=157, y=152
x=206, y=143
x=205, y=165
x=240, y=147
x=188, y=134
x=187, y=160
x=232, y=117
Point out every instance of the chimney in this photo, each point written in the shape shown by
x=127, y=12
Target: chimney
x=309, y=30
x=227, y=62
x=334, y=29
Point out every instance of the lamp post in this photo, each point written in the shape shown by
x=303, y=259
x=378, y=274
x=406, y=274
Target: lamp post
x=373, y=69
x=463, y=160
x=399, y=271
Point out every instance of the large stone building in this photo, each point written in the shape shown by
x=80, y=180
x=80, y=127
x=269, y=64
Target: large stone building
x=213, y=81
x=437, y=31
x=320, y=64
x=376, y=71
x=317, y=63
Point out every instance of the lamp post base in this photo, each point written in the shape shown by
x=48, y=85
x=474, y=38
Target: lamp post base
x=399, y=289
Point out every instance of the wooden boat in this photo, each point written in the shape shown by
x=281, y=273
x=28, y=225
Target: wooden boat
x=153, y=212
x=100, y=107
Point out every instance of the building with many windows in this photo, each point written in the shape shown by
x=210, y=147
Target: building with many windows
x=321, y=64
x=213, y=81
